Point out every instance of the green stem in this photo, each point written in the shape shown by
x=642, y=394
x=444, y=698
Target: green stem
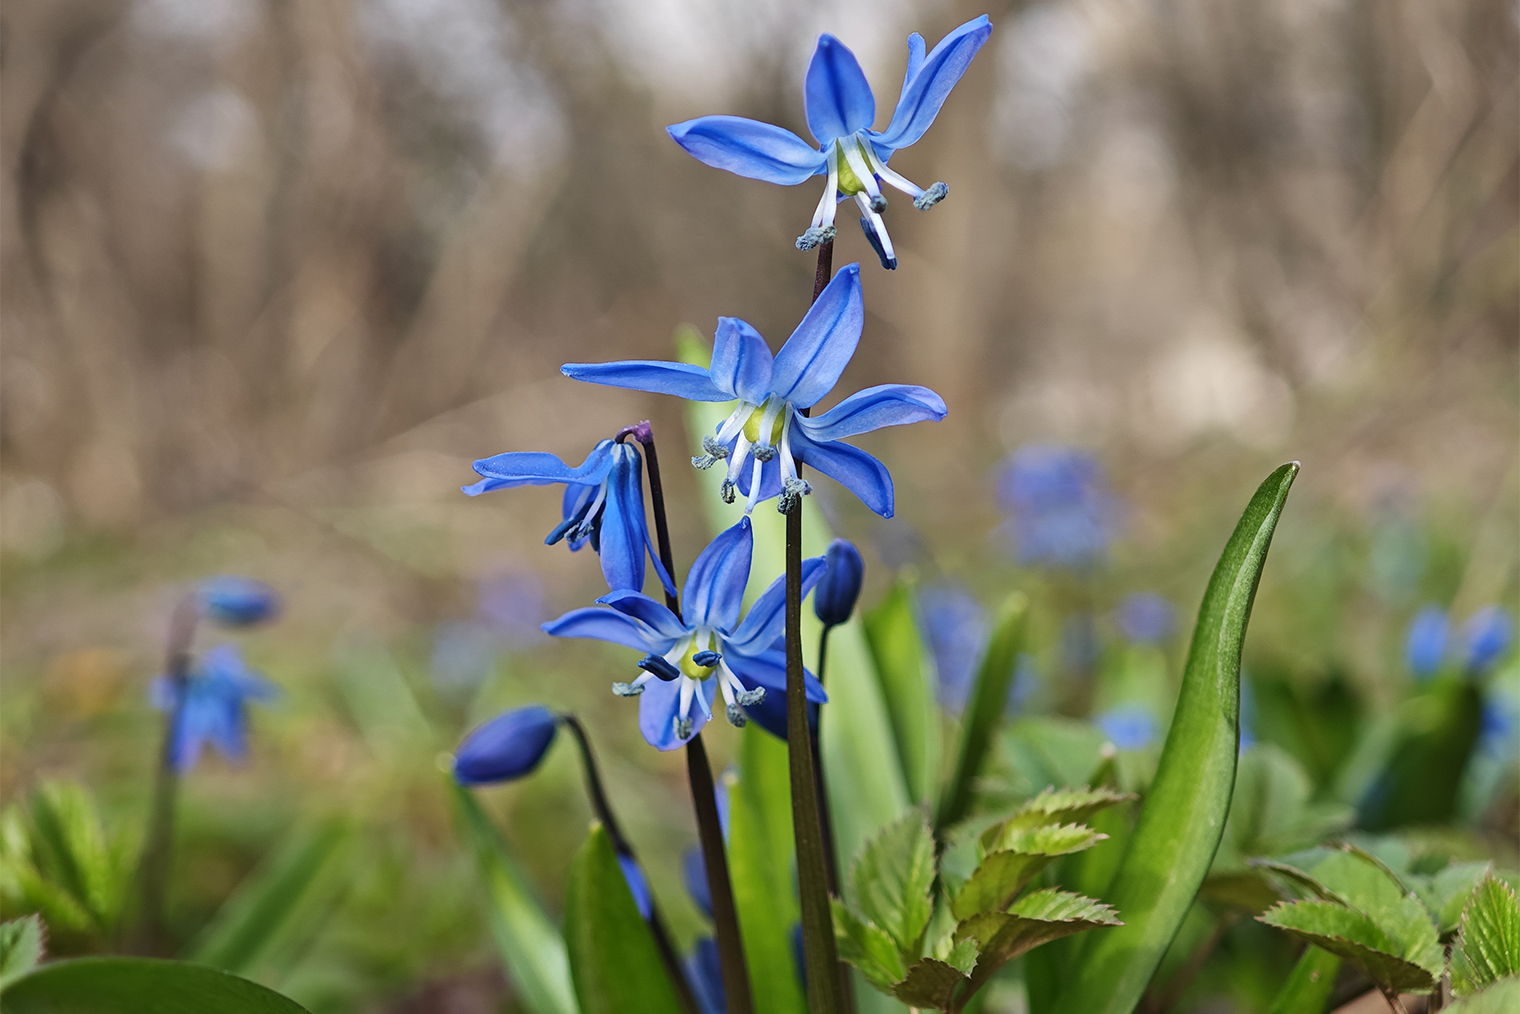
x=826, y=821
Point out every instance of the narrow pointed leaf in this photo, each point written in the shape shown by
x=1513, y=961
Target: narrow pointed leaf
x=614, y=962
x=898, y=652
x=1310, y=986
x=1184, y=813
x=1489, y=946
x=1355, y=937
x=20, y=947
x=140, y=986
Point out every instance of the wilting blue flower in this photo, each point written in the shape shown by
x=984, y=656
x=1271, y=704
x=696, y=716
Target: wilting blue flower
x=834, y=599
x=840, y=111
x=211, y=705
x=1486, y=636
x=956, y=627
x=1145, y=618
x=603, y=505
x=507, y=747
x=637, y=885
x=766, y=437
x=1128, y=727
x=238, y=601
x=1062, y=512
x=707, y=644
x=1425, y=644
x=704, y=971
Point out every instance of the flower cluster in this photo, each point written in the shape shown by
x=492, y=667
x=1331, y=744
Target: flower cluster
x=1061, y=511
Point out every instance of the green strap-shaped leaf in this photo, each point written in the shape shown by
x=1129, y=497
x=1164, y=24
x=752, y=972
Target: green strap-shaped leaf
x=867, y=946
x=1021, y=857
x=1488, y=949
x=898, y=652
x=1310, y=986
x=531, y=947
x=20, y=947
x=1184, y=813
x=140, y=986
x=989, y=699
x=614, y=962
x=1356, y=937
x=892, y=878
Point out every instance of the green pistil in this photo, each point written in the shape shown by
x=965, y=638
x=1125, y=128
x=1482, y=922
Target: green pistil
x=752, y=426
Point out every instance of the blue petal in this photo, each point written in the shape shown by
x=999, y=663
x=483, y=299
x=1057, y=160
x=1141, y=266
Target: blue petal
x=924, y=92
x=873, y=408
x=680, y=379
x=238, y=601
x=812, y=359
x=658, y=705
x=770, y=479
x=536, y=468
x=611, y=626
x=646, y=610
x=715, y=586
x=915, y=58
x=741, y=361
x=749, y=148
x=767, y=617
x=768, y=670
x=839, y=100
x=623, y=536
x=851, y=467
x=637, y=885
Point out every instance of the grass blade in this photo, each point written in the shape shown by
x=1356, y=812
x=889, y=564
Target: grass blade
x=1308, y=989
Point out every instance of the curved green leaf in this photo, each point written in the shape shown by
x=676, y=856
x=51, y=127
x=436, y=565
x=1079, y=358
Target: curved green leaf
x=1309, y=988
x=140, y=986
x=1184, y=813
x=1489, y=947
x=20, y=947
x=1357, y=938
x=898, y=652
x=614, y=962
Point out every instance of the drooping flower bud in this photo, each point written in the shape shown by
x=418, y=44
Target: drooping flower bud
x=834, y=598
x=238, y=601
x=507, y=747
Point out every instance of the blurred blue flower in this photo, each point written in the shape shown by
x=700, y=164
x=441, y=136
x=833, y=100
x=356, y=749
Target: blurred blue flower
x=834, y=598
x=1498, y=725
x=1486, y=636
x=211, y=704
x=840, y=111
x=694, y=874
x=603, y=505
x=705, y=973
x=507, y=747
x=956, y=627
x=511, y=604
x=1062, y=513
x=637, y=885
x=708, y=641
x=238, y=601
x=1425, y=643
x=766, y=435
x=1145, y=618
x=1128, y=727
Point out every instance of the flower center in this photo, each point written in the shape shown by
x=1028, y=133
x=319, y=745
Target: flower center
x=689, y=665
x=849, y=183
x=757, y=419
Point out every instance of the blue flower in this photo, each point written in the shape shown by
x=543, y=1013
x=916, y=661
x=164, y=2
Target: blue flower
x=770, y=714
x=840, y=111
x=1486, y=634
x=1425, y=644
x=1063, y=513
x=211, y=706
x=704, y=971
x=238, y=601
x=1128, y=727
x=603, y=505
x=507, y=747
x=834, y=600
x=1145, y=618
x=708, y=644
x=766, y=436
x=956, y=627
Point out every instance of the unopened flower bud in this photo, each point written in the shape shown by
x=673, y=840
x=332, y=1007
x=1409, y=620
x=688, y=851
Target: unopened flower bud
x=834, y=598
x=507, y=747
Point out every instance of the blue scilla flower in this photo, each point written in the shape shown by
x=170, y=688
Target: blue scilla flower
x=603, y=505
x=834, y=599
x=766, y=436
x=1145, y=618
x=1486, y=636
x=1425, y=643
x=1128, y=727
x=507, y=747
x=840, y=111
x=211, y=706
x=956, y=627
x=770, y=714
x=708, y=644
x=1062, y=512
x=237, y=601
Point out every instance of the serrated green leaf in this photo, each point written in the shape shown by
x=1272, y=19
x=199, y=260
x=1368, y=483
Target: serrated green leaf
x=140, y=986
x=614, y=961
x=1488, y=946
x=1310, y=986
x=1446, y=893
x=931, y=983
x=892, y=878
x=71, y=850
x=1355, y=937
x=20, y=947
x=898, y=653
x=868, y=947
x=984, y=710
x=1184, y=813
x=530, y=945
x=1057, y=806
x=1021, y=854
x=1502, y=997
x=1035, y=919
